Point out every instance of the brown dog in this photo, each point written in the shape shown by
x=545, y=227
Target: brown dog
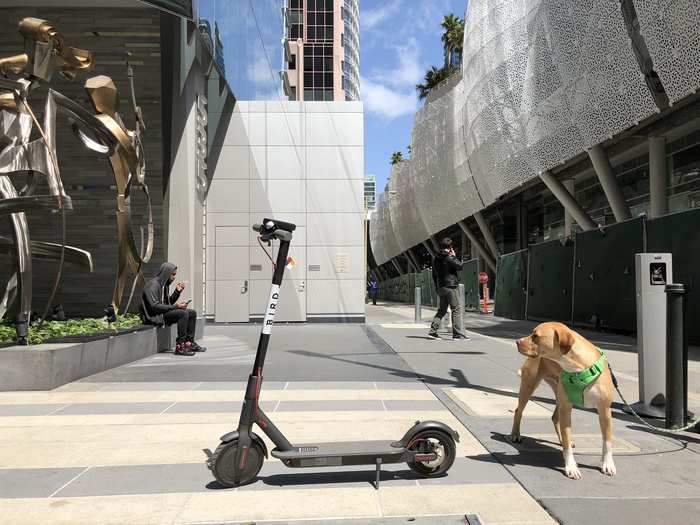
x=550, y=348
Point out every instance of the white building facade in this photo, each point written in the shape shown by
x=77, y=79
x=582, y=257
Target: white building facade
x=300, y=162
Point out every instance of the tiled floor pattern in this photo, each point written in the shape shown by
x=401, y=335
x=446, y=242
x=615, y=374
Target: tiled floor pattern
x=134, y=453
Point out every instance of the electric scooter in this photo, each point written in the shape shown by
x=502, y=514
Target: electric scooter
x=428, y=447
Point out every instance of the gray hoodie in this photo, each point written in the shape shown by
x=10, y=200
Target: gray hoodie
x=155, y=298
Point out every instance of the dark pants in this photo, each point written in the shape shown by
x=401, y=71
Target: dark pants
x=186, y=320
x=448, y=297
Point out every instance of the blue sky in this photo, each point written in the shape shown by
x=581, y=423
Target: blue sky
x=399, y=41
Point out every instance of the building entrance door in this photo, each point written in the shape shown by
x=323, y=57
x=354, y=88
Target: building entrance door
x=232, y=284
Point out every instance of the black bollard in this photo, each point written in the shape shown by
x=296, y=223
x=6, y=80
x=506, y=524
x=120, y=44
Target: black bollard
x=676, y=357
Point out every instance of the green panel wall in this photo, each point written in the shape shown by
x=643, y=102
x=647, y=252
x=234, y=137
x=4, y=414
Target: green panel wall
x=470, y=278
x=604, y=274
x=550, y=281
x=679, y=234
x=511, y=285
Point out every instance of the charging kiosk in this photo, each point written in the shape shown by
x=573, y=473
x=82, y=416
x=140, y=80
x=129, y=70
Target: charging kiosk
x=652, y=271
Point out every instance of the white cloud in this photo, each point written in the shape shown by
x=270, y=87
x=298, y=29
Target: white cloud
x=373, y=17
x=409, y=71
x=390, y=93
x=386, y=102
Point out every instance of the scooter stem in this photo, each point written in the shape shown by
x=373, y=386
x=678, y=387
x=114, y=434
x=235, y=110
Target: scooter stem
x=271, y=307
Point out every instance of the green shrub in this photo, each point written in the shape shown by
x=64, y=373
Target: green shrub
x=52, y=329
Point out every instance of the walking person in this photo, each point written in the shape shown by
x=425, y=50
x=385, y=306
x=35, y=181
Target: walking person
x=446, y=268
x=159, y=307
x=373, y=289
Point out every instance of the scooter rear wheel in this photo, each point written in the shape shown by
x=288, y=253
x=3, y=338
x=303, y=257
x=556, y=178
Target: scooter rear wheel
x=433, y=441
x=223, y=463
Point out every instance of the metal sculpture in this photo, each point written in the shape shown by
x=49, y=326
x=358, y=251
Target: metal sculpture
x=104, y=133
x=129, y=167
x=44, y=53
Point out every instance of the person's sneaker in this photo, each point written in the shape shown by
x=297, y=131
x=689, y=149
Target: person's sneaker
x=460, y=336
x=182, y=349
x=434, y=335
x=196, y=348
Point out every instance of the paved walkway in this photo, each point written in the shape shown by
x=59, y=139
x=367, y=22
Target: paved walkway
x=657, y=481
x=127, y=445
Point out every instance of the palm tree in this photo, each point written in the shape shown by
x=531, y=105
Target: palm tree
x=396, y=157
x=433, y=77
x=452, y=38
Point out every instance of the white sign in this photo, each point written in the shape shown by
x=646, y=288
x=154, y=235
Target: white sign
x=341, y=263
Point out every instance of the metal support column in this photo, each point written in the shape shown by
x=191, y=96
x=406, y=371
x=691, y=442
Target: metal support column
x=608, y=181
x=429, y=248
x=466, y=249
x=416, y=260
x=658, y=178
x=564, y=196
x=398, y=267
x=483, y=252
x=486, y=232
x=411, y=265
x=568, y=218
x=434, y=243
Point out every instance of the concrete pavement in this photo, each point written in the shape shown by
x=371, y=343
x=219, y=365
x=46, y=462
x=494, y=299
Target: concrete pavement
x=657, y=480
x=126, y=445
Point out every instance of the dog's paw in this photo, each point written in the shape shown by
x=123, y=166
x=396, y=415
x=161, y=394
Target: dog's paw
x=608, y=468
x=572, y=472
x=515, y=437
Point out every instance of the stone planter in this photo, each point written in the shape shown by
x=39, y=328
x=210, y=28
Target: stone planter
x=48, y=366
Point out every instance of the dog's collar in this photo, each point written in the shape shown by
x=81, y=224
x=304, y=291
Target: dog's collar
x=576, y=382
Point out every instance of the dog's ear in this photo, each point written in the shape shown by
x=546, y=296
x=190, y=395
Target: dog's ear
x=563, y=339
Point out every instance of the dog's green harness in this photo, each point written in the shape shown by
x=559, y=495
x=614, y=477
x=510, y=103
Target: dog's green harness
x=576, y=382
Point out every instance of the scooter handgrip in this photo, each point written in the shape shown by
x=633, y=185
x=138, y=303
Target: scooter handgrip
x=257, y=227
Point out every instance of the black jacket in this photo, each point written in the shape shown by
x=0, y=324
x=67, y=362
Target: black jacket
x=445, y=270
x=155, y=298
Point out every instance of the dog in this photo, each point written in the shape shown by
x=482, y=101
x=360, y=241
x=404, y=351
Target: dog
x=551, y=348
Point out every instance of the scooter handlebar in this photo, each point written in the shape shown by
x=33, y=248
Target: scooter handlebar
x=274, y=229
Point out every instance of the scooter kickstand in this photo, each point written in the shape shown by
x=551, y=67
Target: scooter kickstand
x=379, y=471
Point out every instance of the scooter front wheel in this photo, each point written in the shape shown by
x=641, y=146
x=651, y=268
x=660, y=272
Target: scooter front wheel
x=429, y=442
x=225, y=470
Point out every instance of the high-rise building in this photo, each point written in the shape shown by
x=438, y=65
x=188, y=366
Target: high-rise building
x=370, y=192
x=322, y=50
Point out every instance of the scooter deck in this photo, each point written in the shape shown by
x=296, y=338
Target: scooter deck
x=341, y=453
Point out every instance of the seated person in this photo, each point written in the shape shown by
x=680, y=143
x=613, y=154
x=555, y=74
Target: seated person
x=159, y=307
